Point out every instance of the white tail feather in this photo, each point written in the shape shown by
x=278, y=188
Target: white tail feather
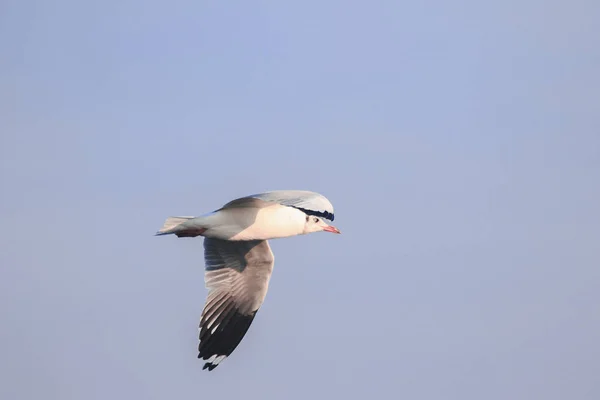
x=171, y=223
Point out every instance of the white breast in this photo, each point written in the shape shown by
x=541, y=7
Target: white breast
x=249, y=223
x=273, y=222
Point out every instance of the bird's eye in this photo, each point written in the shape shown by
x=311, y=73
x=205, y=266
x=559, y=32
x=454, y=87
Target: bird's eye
x=316, y=219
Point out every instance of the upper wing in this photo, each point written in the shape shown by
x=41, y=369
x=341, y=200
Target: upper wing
x=237, y=276
x=310, y=202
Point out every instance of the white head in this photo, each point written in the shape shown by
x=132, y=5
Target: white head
x=316, y=224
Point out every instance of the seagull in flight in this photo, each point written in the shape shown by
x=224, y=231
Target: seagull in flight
x=239, y=260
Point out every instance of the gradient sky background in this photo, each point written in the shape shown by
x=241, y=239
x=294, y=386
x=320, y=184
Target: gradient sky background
x=458, y=141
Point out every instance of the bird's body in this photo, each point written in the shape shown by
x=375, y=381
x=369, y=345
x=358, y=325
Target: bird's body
x=239, y=260
x=248, y=223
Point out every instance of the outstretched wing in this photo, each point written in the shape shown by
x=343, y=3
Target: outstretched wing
x=237, y=276
x=311, y=203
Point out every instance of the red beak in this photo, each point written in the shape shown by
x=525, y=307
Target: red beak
x=332, y=229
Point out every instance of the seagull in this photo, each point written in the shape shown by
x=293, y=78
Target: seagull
x=239, y=260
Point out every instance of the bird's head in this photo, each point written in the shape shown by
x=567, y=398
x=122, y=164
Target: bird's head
x=316, y=224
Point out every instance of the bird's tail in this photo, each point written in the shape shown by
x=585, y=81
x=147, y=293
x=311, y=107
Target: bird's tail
x=172, y=225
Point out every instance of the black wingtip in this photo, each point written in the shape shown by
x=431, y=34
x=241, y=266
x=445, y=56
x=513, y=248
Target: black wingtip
x=209, y=366
x=218, y=345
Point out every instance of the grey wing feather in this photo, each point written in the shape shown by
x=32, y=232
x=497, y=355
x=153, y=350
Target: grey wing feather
x=311, y=202
x=237, y=276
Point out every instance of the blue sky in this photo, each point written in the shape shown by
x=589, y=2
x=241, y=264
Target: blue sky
x=459, y=143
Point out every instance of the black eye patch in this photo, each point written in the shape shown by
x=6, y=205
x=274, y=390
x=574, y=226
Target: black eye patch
x=323, y=214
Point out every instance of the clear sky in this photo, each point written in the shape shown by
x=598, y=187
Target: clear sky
x=458, y=141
